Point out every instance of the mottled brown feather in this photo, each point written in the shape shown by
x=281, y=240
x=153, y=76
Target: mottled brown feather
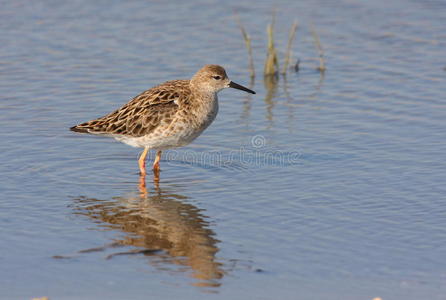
x=144, y=113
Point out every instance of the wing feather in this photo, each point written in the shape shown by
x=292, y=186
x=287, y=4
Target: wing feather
x=143, y=114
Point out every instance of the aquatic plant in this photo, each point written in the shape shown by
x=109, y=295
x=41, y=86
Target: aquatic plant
x=317, y=43
x=247, y=40
x=271, y=67
x=291, y=36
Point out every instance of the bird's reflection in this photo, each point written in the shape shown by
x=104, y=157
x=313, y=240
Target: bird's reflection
x=158, y=223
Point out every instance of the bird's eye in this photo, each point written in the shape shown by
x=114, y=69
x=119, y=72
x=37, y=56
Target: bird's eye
x=216, y=77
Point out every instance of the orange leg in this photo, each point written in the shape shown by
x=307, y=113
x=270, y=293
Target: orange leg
x=156, y=162
x=142, y=162
x=156, y=168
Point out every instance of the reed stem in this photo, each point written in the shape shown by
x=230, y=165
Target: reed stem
x=291, y=36
x=320, y=50
x=271, y=63
x=247, y=40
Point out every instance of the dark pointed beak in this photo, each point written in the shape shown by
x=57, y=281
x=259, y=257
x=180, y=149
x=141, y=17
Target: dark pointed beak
x=234, y=85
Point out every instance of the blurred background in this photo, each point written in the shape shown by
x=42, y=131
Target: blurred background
x=323, y=185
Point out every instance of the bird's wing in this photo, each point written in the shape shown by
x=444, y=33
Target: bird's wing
x=142, y=115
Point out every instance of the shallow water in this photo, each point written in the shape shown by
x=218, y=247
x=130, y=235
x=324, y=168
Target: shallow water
x=318, y=187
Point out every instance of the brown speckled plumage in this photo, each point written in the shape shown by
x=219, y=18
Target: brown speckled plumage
x=143, y=114
x=169, y=115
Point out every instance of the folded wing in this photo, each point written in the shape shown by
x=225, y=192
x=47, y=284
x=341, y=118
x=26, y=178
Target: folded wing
x=142, y=115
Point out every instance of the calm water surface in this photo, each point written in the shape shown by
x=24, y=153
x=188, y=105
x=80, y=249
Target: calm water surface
x=318, y=187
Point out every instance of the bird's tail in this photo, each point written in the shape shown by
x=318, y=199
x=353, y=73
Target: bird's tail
x=77, y=128
x=93, y=127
